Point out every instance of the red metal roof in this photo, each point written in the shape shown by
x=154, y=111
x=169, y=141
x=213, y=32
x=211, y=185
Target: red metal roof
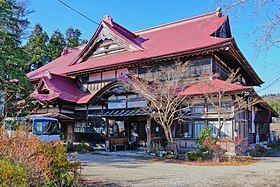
x=61, y=87
x=181, y=36
x=58, y=116
x=213, y=86
x=123, y=33
x=57, y=66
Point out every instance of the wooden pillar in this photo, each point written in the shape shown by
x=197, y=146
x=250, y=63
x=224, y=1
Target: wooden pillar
x=107, y=140
x=126, y=128
x=107, y=128
x=149, y=134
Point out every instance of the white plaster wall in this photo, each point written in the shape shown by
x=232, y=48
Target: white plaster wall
x=95, y=77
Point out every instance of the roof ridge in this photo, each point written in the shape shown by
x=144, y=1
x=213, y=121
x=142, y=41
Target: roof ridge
x=132, y=34
x=122, y=32
x=58, y=76
x=66, y=51
x=174, y=22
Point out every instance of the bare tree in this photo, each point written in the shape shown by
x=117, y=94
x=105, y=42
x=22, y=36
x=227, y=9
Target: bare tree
x=215, y=91
x=162, y=93
x=169, y=96
x=265, y=14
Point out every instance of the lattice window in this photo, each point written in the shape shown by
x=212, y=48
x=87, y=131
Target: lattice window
x=107, y=46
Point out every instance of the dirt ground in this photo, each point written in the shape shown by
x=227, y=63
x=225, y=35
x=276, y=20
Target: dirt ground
x=124, y=171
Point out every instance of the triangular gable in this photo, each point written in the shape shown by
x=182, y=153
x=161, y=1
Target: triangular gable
x=109, y=38
x=42, y=87
x=52, y=86
x=43, y=91
x=223, y=31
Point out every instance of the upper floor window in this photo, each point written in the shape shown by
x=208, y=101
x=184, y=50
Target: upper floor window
x=198, y=109
x=200, y=67
x=225, y=107
x=197, y=68
x=220, y=71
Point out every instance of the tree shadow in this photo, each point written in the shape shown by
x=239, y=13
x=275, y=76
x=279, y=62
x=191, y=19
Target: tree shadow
x=111, y=161
x=274, y=154
x=93, y=183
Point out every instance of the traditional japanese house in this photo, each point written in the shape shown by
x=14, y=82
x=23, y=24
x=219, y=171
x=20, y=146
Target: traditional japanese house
x=82, y=90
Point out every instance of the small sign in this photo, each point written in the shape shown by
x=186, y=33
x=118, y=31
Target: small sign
x=157, y=129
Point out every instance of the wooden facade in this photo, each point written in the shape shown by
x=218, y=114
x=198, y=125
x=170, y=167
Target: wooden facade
x=101, y=107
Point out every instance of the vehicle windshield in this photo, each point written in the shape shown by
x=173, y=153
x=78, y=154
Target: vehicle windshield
x=45, y=127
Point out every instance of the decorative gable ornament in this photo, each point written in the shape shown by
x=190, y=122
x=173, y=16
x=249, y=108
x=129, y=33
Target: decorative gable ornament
x=48, y=74
x=108, y=19
x=219, y=12
x=109, y=38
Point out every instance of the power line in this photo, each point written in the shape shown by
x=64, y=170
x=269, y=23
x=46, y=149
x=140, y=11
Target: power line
x=271, y=81
x=271, y=84
x=78, y=12
x=272, y=78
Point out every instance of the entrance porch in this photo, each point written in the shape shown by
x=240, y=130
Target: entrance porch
x=125, y=129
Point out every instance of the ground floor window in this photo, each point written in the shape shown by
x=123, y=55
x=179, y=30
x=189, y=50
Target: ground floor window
x=97, y=127
x=192, y=129
x=189, y=129
x=241, y=129
x=199, y=125
x=226, y=130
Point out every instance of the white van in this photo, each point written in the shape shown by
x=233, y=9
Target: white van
x=45, y=128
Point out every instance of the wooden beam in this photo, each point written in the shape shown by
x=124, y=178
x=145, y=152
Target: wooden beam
x=149, y=147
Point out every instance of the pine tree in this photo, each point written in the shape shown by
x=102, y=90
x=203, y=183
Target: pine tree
x=83, y=42
x=13, y=23
x=36, y=47
x=55, y=46
x=73, y=37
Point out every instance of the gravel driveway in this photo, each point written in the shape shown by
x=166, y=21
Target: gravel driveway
x=123, y=171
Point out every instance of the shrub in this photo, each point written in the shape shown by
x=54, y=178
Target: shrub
x=273, y=145
x=80, y=147
x=169, y=156
x=12, y=174
x=158, y=145
x=195, y=156
x=260, y=149
x=42, y=163
x=232, y=158
x=204, y=134
x=213, y=148
x=63, y=172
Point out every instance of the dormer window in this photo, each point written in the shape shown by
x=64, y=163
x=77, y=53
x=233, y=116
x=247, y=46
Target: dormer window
x=100, y=49
x=107, y=46
x=44, y=91
x=113, y=46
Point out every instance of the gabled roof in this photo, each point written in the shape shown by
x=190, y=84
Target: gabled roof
x=212, y=87
x=188, y=35
x=108, y=29
x=60, y=87
x=57, y=66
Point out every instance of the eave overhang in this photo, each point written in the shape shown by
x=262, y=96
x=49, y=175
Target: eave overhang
x=245, y=64
x=201, y=51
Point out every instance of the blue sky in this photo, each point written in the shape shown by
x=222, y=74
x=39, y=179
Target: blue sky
x=52, y=15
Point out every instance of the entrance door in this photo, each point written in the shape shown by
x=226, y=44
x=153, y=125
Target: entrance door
x=137, y=132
